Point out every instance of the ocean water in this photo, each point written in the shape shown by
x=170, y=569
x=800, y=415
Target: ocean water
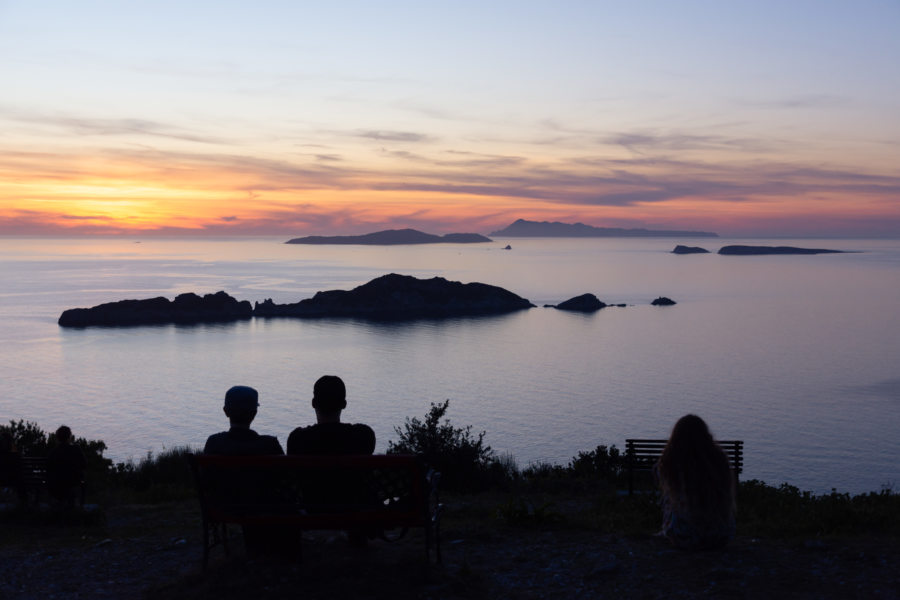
x=796, y=355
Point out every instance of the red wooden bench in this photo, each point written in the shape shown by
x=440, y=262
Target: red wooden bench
x=400, y=492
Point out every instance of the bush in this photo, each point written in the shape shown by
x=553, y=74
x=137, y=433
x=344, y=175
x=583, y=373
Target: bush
x=165, y=476
x=604, y=463
x=785, y=511
x=463, y=459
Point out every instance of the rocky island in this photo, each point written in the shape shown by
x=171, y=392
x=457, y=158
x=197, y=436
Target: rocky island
x=393, y=237
x=764, y=250
x=523, y=228
x=679, y=249
x=401, y=297
x=582, y=303
x=186, y=308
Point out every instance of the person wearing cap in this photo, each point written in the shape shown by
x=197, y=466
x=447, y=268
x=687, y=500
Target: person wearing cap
x=241, y=403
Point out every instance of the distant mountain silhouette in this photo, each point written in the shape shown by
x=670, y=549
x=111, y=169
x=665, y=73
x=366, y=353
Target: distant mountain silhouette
x=523, y=228
x=393, y=237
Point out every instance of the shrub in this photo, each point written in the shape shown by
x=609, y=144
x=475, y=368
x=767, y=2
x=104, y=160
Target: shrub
x=164, y=476
x=463, y=459
x=785, y=511
x=604, y=463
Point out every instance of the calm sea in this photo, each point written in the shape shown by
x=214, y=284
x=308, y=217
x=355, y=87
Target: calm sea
x=796, y=355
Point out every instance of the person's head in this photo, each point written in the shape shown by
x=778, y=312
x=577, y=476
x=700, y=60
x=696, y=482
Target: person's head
x=693, y=467
x=241, y=403
x=64, y=435
x=329, y=397
x=690, y=431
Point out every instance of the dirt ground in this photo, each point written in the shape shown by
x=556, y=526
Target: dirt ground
x=155, y=551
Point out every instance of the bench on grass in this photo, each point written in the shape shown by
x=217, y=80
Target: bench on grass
x=30, y=478
x=641, y=455
x=388, y=492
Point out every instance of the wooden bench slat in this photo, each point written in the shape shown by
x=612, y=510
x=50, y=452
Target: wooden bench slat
x=642, y=454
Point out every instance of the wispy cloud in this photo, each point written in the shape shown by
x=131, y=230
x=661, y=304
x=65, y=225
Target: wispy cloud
x=87, y=126
x=641, y=142
x=393, y=136
x=802, y=102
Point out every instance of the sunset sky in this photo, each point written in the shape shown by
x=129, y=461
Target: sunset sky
x=223, y=118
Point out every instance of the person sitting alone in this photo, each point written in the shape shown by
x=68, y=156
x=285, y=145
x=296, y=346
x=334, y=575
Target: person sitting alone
x=10, y=464
x=698, y=489
x=65, y=468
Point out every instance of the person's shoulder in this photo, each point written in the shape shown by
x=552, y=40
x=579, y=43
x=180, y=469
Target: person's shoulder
x=363, y=429
x=297, y=438
x=301, y=432
x=364, y=437
x=271, y=444
x=214, y=441
x=303, y=428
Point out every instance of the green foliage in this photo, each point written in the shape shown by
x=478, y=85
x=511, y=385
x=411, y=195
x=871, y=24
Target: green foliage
x=464, y=460
x=785, y=511
x=604, y=462
x=165, y=476
x=600, y=469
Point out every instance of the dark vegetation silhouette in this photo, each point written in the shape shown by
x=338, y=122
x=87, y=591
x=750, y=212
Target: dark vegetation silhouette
x=463, y=459
x=534, y=496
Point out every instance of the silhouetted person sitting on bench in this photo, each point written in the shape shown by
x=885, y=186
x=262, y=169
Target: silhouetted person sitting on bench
x=329, y=436
x=697, y=488
x=241, y=404
x=65, y=468
x=10, y=464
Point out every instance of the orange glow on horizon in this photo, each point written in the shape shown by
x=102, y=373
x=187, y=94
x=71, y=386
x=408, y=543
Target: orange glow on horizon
x=192, y=195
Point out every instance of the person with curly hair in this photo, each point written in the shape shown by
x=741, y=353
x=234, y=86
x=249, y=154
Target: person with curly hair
x=698, y=488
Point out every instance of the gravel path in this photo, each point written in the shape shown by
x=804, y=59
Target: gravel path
x=154, y=552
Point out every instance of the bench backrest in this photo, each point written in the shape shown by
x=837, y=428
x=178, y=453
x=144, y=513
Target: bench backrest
x=34, y=471
x=642, y=455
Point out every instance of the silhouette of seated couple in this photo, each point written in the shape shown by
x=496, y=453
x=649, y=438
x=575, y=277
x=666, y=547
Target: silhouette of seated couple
x=328, y=436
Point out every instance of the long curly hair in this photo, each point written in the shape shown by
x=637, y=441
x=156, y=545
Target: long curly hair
x=694, y=472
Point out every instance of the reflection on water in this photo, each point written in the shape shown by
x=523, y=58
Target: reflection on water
x=795, y=355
